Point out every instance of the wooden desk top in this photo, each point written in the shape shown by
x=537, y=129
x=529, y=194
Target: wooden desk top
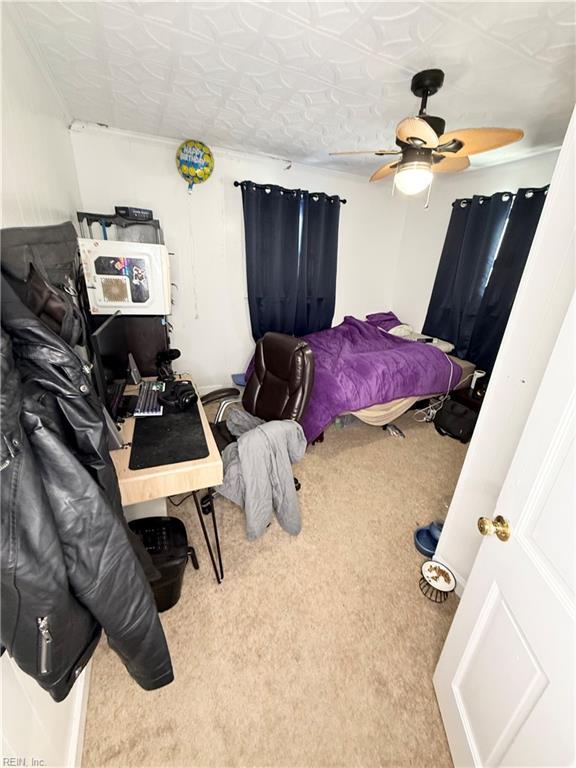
x=137, y=485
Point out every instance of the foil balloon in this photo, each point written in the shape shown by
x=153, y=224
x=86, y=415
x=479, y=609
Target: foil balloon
x=195, y=162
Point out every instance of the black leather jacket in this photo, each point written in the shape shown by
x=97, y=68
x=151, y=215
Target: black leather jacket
x=67, y=563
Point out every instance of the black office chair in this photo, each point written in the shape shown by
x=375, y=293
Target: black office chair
x=278, y=388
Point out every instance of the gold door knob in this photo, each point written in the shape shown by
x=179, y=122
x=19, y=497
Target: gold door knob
x=498, y=526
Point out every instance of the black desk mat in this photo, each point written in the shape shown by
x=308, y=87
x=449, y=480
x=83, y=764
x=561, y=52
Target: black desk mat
x=168, y=439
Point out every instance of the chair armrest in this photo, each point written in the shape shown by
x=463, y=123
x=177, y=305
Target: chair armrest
x=219, y=394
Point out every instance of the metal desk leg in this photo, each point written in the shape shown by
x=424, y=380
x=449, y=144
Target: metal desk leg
x=205, y=506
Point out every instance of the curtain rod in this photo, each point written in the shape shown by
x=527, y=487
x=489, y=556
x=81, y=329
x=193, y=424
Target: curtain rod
x=342, y=200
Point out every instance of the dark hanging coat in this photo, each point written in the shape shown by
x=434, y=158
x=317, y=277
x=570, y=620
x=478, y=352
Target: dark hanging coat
x=68, y=564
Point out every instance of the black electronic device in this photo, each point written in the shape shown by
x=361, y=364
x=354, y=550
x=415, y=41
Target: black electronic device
x=135, y=375
x=148, y=403
x=178, y=396
x=111, y=363
x=146, y=336
x=133, y=214
x=106, y=222
x=164, y=360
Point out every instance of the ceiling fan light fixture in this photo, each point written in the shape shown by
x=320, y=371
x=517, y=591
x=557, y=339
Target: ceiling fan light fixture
x=425, y=148
x=412, y=178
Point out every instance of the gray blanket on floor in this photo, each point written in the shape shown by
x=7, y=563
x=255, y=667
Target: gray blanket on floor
x=258, y=471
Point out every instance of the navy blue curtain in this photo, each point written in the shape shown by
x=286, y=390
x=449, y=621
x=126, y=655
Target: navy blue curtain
x=472, y=240
x=318, y=257
x=272, y=232
x=291, y=254
x=500, y=292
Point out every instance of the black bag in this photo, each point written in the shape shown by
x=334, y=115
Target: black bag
x=456, y=420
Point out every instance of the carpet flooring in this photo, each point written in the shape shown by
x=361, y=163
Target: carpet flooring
x=316, y=650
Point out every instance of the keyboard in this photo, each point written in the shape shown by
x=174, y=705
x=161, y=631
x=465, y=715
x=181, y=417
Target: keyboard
x=115, y=393
x=148, y=404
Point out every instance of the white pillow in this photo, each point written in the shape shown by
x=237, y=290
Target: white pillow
x=404, y=330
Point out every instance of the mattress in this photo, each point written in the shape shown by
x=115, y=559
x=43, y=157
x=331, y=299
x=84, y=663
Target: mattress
x=384, y=413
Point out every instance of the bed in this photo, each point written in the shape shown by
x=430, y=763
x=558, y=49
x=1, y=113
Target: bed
x=384, y=413
x=364, y=368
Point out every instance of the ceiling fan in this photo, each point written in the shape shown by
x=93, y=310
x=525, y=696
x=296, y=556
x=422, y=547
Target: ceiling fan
x=424, y=147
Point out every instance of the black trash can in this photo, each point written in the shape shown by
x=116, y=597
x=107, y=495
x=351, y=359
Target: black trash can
x=166, y=541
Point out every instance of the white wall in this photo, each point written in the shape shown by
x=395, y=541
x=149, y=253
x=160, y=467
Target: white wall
x=205, y=231
x=544, y=294
x=425, y=229
x=38, y=187
x=38, y=176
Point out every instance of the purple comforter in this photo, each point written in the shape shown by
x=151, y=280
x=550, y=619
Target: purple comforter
x=358, y=365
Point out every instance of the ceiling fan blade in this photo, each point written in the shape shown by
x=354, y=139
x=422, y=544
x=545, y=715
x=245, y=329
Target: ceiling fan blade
x=476, y=140
x=417, y=132
x=377, y=152
x=384, y=170
x=444, y=164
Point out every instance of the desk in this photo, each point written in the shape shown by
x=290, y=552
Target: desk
x=142, y=485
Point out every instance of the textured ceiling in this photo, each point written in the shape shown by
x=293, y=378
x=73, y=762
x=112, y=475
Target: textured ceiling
x=300, y=79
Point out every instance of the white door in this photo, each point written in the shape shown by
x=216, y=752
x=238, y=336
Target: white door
x=35, y=729
x=505, y=678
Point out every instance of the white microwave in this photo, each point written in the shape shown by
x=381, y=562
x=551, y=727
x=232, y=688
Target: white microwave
x=131, y=277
